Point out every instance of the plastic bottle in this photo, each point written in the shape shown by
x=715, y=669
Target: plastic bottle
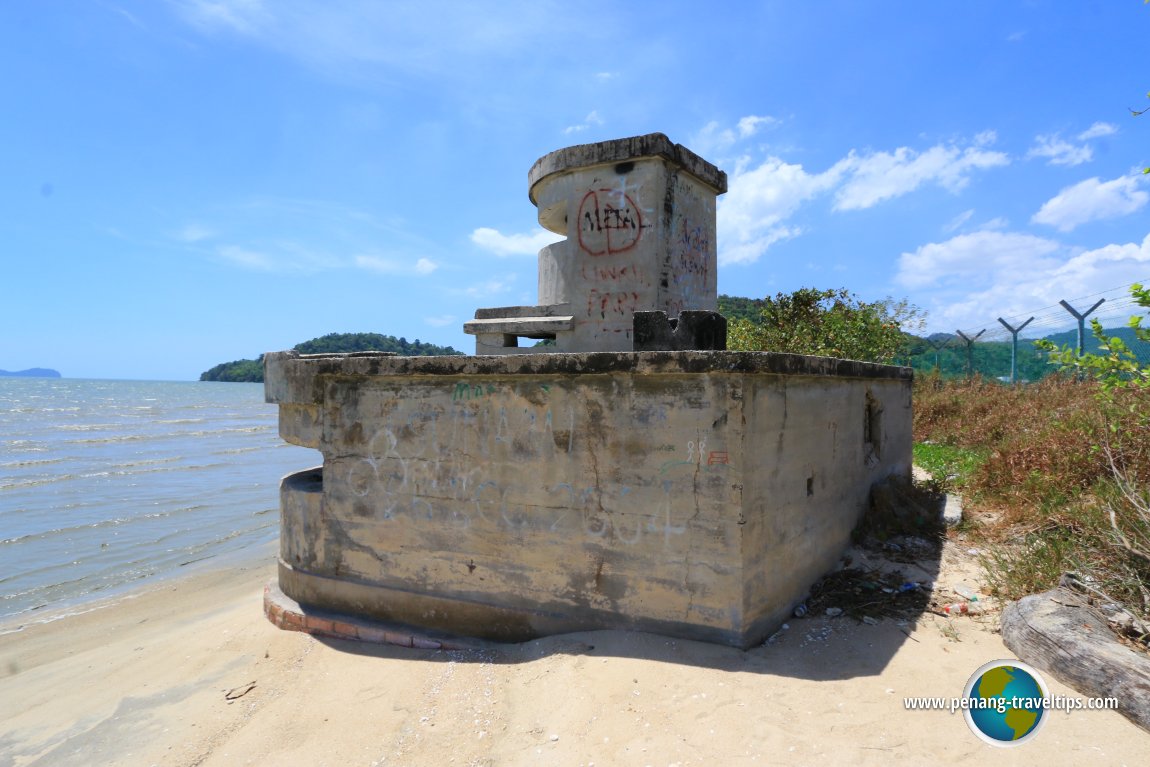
x=966, y=593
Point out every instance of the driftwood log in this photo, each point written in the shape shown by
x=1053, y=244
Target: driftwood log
x=1060, y=633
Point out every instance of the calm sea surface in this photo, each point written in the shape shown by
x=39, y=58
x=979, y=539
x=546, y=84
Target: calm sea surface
x=103, y=483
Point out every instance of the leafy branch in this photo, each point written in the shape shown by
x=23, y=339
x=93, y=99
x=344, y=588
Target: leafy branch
x=826, y=323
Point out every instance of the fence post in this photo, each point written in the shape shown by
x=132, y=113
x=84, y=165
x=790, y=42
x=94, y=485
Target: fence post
x=1014, y=346
x=970, y=350
x=1081, y=322
x=937, y=347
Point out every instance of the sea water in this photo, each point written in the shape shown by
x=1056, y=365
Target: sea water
x=105, y=483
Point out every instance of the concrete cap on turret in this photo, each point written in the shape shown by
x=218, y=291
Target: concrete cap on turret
x=624, y=150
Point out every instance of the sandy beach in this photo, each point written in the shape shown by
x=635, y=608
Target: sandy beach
x=189, y=672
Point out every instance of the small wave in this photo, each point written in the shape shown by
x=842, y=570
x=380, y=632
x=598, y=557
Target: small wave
x=86, y=426
x=13, y=595
x=120, y=438
x=113, y=471
x=21, y=484
x=87, y=607
x=44, y=410
x=111, y=440
x=38, y=462
x=105, y=523
x=147, y=462
x=25, y=446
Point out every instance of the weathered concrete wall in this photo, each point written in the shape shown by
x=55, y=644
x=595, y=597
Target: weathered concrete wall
x=696, y=494
x=814, y=460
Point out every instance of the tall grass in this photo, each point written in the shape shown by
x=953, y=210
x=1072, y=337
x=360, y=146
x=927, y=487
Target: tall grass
x=1040, y=457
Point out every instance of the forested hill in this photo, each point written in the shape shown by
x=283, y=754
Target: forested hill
x=332, y=343
x=32, y=373
x=738, y=308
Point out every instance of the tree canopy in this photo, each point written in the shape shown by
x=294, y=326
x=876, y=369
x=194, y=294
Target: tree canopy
x=333, y=343
x=825, y=323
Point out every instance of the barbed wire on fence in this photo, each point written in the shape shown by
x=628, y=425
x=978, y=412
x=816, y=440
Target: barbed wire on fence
x=987, y=349
x=1118, y=307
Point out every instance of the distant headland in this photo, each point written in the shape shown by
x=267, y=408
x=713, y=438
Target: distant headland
x=332, y=343
x=32, y=373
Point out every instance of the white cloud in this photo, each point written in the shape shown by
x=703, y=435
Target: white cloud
x=244, y=16
x=969, y=280
x=285, y=256
x=749, y=125
x=751, y=215
x=194, y=233
x=441, y=321
x=1097, y=130
x=1105, y=267
x=960, y=222
x=748, y=252
x=985, y=138
x=714, y=139
x=433, y=37
x=882, y=176
x=247, y=258
x=957, y=222
x=311, y=236
x=131, y=19
x=969, y=257
x=591, y=119
x=1092, y=200
x=488, y=287
x=382, y=265
x=502, y=245
x=754, y=213
x=1059, y=152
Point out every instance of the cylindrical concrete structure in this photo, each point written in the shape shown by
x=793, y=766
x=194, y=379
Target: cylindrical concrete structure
x=639, y=217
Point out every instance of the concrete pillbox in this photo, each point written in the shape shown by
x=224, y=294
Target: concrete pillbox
x=696, y=494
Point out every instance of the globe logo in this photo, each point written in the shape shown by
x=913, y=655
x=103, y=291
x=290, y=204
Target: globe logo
x=1005, y=702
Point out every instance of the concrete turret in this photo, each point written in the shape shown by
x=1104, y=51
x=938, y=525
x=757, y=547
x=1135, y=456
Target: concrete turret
x=639, y=217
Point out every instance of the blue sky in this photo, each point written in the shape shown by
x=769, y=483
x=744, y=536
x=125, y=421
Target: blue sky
x=186, y=182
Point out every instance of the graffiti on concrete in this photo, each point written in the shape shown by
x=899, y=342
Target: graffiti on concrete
x=609, y=222
x=455, y=464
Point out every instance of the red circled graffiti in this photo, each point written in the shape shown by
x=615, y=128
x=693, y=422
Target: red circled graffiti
x=608, y=228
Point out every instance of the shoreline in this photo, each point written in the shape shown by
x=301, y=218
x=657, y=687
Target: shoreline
x=248, y=556
x=190, y=672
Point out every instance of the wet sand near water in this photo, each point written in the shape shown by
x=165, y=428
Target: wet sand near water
x=189, y=672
